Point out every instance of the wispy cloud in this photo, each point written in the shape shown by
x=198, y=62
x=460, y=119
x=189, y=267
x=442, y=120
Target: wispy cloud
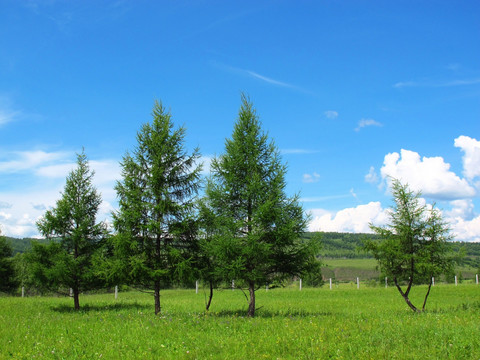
x=331, y=114
x=437, y=84
x=311, y=178
x=7, y=116
x=19, y=161
x=324, y=198
x=297, y=151
x=261, y=77
x=367, y=122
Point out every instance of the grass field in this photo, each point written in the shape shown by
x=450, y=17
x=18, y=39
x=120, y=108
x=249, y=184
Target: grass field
x=344, y=323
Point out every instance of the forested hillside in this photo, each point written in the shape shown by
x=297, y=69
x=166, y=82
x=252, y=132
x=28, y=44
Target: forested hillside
x=333, y=245
x=349, y=246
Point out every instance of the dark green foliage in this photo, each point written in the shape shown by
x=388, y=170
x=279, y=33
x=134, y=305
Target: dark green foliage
x=258, y=227
x=413, y=246
x=154, y=224
x=67, y=261
x=8, y=281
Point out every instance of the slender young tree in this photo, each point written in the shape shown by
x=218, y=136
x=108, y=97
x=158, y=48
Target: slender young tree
x=413, y=246
x=67, y=261
x=154, y=223
x=257, y=240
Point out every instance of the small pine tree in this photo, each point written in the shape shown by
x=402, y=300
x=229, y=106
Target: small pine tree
x=66, y=262
x=413, y=246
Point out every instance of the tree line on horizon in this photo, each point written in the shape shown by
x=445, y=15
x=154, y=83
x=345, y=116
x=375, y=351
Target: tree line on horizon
x=245, y=227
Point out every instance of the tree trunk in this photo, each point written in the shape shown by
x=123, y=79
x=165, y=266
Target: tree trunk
x=405, y=295
x=210, y=296
x=251, y=304
x=428, y=293
x=76, y=301
x=157, y=297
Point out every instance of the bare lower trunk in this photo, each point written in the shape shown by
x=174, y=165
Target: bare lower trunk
x=428, y=293
x=76, y=301
x=207, y=307
x=405, y=295
x=157, y=297
x=251, y=304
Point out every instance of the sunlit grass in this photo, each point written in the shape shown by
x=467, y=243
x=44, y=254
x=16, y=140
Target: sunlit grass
x=290, y=324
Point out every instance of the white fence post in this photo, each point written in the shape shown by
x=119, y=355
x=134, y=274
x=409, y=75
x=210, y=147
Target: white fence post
x=358, y=283
x=71, y=292
x=433, y=281
x=23, y=291
x=386, y=282
x=116, y=292
x=266, y=287
x=196, y=287
x=300, y=284
x=233, y=285
x=330, y=283
x=455, y=280
x=476, y=279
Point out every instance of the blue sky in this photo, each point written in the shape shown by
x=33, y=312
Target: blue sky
x=351, y=92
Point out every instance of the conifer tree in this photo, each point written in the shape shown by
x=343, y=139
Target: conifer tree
x=413, y=245
x=67, y=261
x=258, y=227
x=154, y=223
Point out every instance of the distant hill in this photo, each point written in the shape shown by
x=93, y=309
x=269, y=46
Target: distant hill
x=333, y=246
x=22, y=245
x=348, y=246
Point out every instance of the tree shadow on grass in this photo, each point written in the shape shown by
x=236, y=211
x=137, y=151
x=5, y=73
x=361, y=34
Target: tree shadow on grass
x=264, y=313
x=104, y=307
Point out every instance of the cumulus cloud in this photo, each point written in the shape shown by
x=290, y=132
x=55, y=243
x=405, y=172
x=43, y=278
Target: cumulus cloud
x=471, y=157
x=430, y=175
x=311, y=178
x=367, y=122
x=354, y=219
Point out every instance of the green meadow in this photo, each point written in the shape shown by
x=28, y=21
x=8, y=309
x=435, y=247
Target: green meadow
x=342, y=323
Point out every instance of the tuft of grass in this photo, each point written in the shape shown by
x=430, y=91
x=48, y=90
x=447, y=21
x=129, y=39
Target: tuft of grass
x=290, y=324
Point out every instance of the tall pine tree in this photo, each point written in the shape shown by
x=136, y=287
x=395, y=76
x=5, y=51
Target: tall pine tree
x=257, y=240
x=154, y=223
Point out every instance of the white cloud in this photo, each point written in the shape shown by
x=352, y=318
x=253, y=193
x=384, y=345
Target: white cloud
x=331, y=114
x=434, y=84
x=372, y=176
x=466, y=230
x=5, y=205
x=355, y=219
x=430, y=175
x=297, y=151
x=29, y=160
x=367, y=122
x=46, y=173
x=311, y=178
x=7, y=116
x=471, y=157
